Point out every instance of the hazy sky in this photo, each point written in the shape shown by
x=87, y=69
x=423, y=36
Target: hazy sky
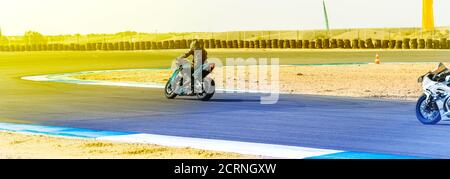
x=109, y=16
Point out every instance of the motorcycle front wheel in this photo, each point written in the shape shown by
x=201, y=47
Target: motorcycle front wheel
x=426, y=115
x=169, y=91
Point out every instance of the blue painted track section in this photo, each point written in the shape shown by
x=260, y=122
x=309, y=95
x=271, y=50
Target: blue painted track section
x=58, y=131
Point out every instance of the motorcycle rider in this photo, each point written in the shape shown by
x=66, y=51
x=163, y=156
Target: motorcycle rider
x=199, y=64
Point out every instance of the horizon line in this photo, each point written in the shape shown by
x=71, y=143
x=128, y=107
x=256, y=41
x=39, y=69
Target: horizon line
x=271, y=30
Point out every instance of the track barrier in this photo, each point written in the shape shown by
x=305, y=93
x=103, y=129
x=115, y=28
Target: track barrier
x=325, y=43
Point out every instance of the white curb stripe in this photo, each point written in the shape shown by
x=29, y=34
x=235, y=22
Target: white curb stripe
x=66, y=78
x=36, y=78
x=247, y=148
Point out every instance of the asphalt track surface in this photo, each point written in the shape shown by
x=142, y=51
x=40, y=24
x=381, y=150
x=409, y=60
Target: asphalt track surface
x=349, y=124
x=378, y=126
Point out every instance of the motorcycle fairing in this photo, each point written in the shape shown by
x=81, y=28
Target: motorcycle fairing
x=441, y=92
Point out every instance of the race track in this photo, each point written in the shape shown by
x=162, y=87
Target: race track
x=360, y=125
x=350, y=124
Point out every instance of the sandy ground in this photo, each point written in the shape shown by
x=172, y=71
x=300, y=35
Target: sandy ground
x=20, y=146
x=392, y=81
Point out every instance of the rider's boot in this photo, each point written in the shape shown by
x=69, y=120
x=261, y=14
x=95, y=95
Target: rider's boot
x=186, y=90
x=198, y=86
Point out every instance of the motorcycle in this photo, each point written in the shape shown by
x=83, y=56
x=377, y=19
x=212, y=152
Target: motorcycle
x=434, y=105
x=207, y=84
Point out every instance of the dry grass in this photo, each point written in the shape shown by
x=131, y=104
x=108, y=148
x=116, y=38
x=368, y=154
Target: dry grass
x=16, y=146
x=393, y=81
x=374, y=81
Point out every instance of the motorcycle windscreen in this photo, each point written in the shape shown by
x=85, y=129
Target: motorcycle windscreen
x=441, y=68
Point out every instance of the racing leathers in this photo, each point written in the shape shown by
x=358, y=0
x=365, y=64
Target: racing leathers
x=199, y=64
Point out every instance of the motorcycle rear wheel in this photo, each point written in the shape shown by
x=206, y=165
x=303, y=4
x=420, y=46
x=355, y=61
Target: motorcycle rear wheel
x=207, y=96
x=425, y=116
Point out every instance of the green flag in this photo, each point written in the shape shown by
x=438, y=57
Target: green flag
x=327, y=25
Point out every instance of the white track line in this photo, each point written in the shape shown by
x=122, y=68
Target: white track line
x=247, y=148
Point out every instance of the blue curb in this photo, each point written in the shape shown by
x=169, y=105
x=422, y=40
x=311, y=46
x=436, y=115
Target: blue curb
x=59, y=131
x=362, y=155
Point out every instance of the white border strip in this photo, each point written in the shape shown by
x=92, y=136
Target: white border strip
x=246, y=148
x=67, y=78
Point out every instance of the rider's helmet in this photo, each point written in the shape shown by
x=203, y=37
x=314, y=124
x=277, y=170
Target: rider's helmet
x=195, y=45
